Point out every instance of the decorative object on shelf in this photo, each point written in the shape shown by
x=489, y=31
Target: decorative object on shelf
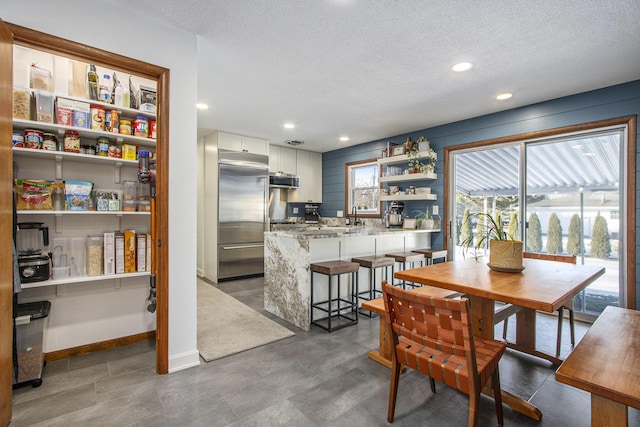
x=409, y=224
x=397, y=150
x=421, y=161
x=422, y=143
x=505, y=253
x=423, y=220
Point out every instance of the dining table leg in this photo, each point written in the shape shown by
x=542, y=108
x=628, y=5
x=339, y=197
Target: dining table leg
x=606, y=412
x=482, y=311
x=526, y=336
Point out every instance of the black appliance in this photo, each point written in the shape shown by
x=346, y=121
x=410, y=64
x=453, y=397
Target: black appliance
x=311, y=215
x=32, y=265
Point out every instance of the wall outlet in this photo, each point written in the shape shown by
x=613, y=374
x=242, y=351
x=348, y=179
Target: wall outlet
x=295, y=210
x=340, y=214
x=436, y=209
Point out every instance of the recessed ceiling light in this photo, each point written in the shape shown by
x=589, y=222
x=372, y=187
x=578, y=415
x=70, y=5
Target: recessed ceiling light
x=577, y=146
x=289, y=125
x=589, y=154
x=504, y=96
x=462, y=66
x=201, y=106
x=344, y=138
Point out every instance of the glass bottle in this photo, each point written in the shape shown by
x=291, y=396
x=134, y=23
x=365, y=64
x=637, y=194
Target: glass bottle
x=92, y=77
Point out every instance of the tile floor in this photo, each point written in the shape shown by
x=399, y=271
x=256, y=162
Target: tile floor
x=311, y=379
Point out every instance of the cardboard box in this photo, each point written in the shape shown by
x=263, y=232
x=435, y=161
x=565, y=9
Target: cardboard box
x=142, y=252
x=129, y=251
x=119, y=245
x=129, y=152
x=72, y=113
x=109, y=253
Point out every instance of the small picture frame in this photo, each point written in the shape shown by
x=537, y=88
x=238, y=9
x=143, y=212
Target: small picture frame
x=397, y=150
x=409, y=223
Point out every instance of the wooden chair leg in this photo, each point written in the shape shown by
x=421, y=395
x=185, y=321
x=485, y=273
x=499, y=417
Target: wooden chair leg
x=393, y=391
x=432, y=382
x=559, y=339
x=474, y=398
x=497, y=393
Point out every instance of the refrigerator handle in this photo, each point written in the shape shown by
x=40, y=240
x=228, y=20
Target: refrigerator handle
x=242, y=247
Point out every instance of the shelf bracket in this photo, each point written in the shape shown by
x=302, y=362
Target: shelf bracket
x=58, y=167
x=60, y=290
x=58, y=220
x=117, y=168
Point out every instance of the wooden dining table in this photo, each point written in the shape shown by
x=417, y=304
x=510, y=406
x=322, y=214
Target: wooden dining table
x=606, y=363
x=542, y=285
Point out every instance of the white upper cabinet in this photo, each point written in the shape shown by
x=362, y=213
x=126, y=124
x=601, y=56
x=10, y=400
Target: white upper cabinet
x=230, y=141
x=282, y=160
x=310, y=173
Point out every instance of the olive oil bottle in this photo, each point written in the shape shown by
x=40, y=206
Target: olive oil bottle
x=92, y=77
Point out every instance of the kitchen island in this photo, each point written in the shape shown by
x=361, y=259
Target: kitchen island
x=288, y=254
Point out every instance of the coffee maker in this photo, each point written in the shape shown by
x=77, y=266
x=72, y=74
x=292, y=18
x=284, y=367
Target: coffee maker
x=32, y=264
x=311, y=215
x=394, y=215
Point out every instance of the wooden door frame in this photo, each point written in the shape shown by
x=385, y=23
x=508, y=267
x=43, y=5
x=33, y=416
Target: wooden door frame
x=6, y=224
x=56, y=45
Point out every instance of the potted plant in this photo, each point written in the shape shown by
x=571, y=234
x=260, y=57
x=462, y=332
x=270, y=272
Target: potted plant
x=424, y=221
x=421, y=161
x=505, y=252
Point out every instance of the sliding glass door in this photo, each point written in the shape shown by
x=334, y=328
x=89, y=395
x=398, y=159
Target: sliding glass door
x=568, y=191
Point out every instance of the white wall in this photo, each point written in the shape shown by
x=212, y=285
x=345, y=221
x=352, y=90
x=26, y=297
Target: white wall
x=137, y=36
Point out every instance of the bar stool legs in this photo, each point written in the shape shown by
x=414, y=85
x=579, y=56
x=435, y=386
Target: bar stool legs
x=341, y=309
x=405, y=258
x=373, y=263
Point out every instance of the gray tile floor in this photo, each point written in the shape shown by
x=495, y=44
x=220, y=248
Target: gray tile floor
x=311, y=379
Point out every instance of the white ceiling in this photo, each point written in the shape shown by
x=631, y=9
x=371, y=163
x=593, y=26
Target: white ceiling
x=372, y=69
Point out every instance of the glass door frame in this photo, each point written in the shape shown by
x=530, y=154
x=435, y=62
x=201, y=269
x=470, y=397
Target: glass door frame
x=628, y=172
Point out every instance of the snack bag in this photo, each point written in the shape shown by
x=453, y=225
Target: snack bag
x=33, y=194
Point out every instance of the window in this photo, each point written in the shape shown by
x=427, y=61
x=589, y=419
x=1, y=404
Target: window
x=362, y=189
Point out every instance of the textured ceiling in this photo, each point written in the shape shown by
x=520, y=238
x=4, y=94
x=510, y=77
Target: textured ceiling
x=371, y=69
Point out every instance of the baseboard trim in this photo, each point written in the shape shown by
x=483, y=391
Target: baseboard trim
x=184, y=360
x=97, y=346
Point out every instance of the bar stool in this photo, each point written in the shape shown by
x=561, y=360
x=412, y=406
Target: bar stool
x=432, y=254
x=372, y=263
x=335, y=307
x=405, y=258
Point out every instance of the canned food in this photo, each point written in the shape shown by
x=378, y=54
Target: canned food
x=71, y=141
x=152, y=129
x=17, y=140
x=103, y=147
x=113, y=150
x=33, y=138
x=125, y=127
x=91, y=149
x=97, y=118
x=49, y=142
x=141, y=127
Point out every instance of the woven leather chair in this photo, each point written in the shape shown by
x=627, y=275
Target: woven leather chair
x=571, y=259
x=433, y=336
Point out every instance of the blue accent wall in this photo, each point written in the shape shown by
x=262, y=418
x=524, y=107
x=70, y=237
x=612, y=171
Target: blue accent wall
x=600, y=104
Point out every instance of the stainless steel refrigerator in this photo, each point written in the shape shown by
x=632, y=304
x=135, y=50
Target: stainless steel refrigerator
x=243, y=182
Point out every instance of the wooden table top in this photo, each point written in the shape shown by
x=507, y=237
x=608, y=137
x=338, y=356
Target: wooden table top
x=606, y=361
x=543, y=285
